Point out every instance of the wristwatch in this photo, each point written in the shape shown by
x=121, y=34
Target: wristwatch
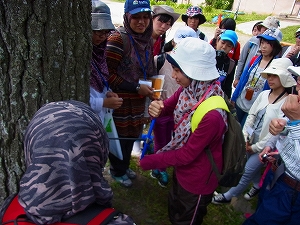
x=138, y=87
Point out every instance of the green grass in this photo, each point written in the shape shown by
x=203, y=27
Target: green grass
x=147, y=203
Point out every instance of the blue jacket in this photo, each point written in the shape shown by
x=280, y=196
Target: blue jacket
x=244, y=78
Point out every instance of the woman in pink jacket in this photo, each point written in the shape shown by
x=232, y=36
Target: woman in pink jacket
x=194, y=69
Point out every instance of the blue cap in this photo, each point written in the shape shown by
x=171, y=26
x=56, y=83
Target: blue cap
x=272, y=34
x=136, y=6
x=229, y=35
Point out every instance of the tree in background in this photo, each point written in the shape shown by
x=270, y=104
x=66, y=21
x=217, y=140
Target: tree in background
x=45, y=51
x=220, y=4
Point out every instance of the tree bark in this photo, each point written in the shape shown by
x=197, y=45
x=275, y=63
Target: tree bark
x=45, y=51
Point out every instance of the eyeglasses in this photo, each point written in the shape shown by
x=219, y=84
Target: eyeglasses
x=298, y=36
x=103, y=33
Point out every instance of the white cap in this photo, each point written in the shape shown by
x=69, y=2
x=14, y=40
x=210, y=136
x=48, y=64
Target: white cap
x=184, y=32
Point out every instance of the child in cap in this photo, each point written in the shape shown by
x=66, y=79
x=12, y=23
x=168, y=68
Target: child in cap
x=227, y=24
x=163, y=18
x=194, y=69
x=251, y=82
x=164, y=125
x=251, y=48
x=101, y=96
x=266, y=107
x=225, y=65
x=194, y=18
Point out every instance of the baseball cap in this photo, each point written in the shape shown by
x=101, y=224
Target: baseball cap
x=196, y=58
x=184, y=32
x=272, y=34
x=279, y=67
x=137, y=6
x=229, y=35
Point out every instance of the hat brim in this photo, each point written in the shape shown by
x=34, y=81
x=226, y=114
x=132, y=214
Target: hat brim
x=295, y=70
x=201, y=17
x=139, y=10
x=228, y=39
x=267, y=37
x=286, y=80
x=195, y=72
x=159, y=10
x=101, y=22
x=172, y=61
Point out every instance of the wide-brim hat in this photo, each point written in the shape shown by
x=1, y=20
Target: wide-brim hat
x=101, y=21
x=295, y=70
x=136, y=6
x=165, y=9
x=194, y=11
x=270, y=22
x=279, y=67
x=101, y=17
x=196, y=58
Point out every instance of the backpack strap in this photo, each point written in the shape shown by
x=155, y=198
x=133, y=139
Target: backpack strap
x=160, y=61
x=231, y=66
x=201, y=35
x=213, y=102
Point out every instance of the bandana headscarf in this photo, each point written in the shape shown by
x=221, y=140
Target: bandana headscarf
x=99, y=60
x=66, y=148
x=189, y=97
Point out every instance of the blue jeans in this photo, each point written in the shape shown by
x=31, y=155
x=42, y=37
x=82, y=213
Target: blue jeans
x=252, y=173
x=279, y=206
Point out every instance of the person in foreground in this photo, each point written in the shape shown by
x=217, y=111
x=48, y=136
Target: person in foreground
x=280, y=203
x=66, y=149
x=193, y=182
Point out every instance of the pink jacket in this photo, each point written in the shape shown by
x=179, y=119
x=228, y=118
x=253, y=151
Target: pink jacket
x=193, y=169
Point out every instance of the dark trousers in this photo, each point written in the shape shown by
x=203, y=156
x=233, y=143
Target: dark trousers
x=186, y=208
x=118, y=167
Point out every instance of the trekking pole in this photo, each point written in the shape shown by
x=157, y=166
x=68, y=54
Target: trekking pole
x=148, y=138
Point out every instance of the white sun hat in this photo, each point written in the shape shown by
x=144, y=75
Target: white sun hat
x=196, y=58
x=279, y=67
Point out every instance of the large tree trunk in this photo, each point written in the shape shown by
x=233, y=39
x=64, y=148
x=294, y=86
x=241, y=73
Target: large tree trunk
x=45, y=51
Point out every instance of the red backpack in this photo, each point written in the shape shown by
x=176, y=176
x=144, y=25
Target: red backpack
x=14, y=214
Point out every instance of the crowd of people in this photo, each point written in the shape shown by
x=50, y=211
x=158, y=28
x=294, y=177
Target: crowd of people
x=261, y=80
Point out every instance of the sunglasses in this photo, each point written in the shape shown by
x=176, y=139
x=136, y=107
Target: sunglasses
x=298, y=36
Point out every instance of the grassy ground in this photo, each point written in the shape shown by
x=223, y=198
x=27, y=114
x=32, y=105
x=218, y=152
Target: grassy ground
x=147, y=203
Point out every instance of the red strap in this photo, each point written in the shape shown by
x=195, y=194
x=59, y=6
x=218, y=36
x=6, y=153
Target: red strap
x=252, y=60
x=194, y=107
x=101, y=216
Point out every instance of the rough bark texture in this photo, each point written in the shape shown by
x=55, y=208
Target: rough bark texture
x=45, y=50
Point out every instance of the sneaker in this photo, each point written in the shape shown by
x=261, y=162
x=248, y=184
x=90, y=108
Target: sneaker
x=123, y=180
x=130, y=173
x=250, y=194
x=220, y=199
x=162, y=177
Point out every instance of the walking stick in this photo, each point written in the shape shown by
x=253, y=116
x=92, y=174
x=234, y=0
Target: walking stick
x=148, y=138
